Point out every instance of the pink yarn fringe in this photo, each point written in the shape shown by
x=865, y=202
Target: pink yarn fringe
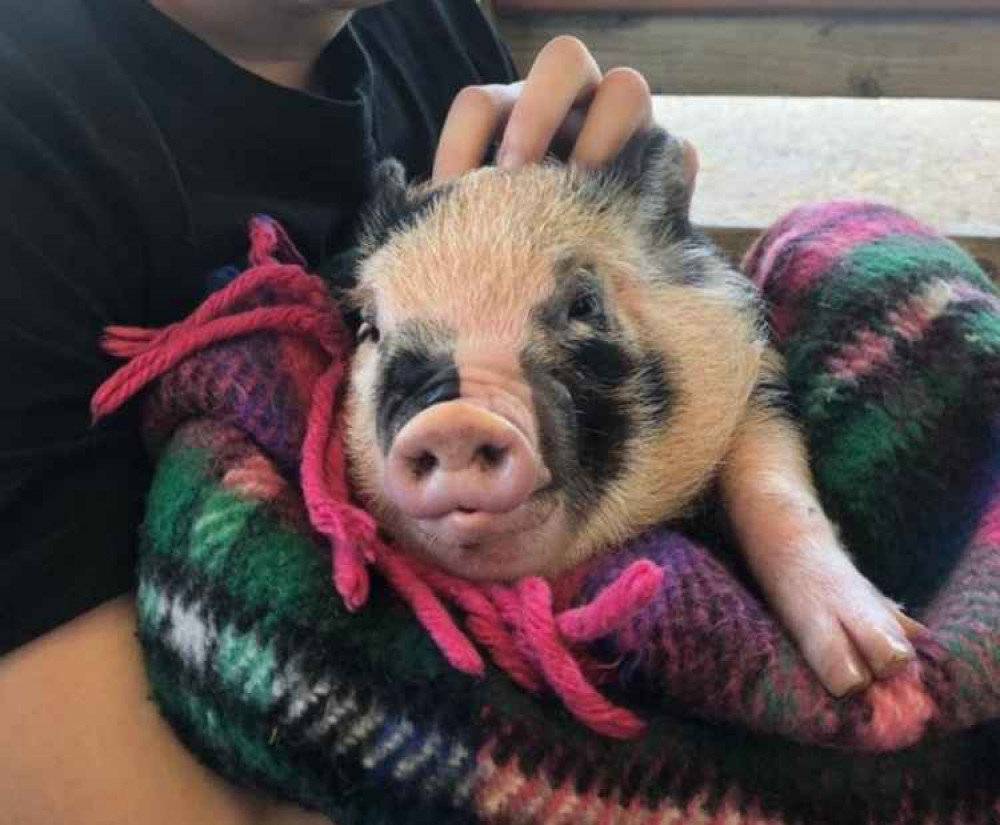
x=901, y=710
x=516, y=624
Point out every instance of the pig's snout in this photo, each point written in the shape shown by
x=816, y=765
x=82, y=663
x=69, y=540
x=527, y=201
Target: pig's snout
x=459, y=457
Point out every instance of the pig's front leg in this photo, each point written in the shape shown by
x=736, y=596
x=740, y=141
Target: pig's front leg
x=847, y=630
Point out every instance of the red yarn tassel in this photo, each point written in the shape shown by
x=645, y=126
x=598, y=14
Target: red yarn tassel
x=636, y=587
x=269, y=243
x=127, y=342
x=456, y=648
x=562, y=671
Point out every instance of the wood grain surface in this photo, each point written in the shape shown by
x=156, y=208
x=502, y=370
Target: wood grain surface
x=887, y=55
x=946, y=6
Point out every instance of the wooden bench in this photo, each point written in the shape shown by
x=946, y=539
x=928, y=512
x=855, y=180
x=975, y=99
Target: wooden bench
x=797, y=100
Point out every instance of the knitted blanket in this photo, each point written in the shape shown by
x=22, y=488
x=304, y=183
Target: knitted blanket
x=365, y=699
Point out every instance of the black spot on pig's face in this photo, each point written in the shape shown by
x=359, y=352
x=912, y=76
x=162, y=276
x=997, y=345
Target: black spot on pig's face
x=605, y=422
x=416, y=369
x=596, y=390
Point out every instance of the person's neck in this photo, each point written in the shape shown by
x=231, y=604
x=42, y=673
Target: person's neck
x=279, y=43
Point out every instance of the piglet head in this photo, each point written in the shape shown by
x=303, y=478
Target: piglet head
x=545, y=365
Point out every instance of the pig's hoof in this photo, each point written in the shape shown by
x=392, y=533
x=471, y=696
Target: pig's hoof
x=848, y=632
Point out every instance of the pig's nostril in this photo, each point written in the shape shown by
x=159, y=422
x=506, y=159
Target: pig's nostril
x=490, y=456
x=423, y=464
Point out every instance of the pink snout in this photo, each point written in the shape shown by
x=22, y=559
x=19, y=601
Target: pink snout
x=458, y=457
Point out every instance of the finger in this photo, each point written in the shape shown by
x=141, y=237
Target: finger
x=622, y=106
x=691, y=165
x=563, y=75
x=476, y=117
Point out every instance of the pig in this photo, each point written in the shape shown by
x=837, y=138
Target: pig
x=552, y=360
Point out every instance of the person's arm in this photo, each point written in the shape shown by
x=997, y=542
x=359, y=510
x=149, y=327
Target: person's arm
x=83, y=744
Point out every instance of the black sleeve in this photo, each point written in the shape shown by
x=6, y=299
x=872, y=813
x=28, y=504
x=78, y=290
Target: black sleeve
x=70, y=494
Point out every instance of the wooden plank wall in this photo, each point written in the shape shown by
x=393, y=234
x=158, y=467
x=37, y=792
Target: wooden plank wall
x=666, y=6
x=837, y=54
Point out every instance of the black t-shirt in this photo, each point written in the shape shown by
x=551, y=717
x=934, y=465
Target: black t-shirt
x=131, y=157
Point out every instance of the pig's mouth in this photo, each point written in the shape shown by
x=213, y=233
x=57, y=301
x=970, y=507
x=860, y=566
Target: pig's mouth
x=469, y=529
x=484, y=545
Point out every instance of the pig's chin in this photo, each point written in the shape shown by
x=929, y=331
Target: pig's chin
x=485, y=546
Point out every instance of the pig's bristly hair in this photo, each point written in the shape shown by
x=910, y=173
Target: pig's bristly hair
x=517, y=624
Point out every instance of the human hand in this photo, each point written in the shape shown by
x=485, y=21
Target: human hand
x=566, y=105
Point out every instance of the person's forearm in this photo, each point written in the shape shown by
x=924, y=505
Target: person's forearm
x=83, y=744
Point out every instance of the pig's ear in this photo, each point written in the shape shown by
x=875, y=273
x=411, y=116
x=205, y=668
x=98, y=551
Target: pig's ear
x=340, y=274
x=651, y=166
x=389, y=201
x=389, y=180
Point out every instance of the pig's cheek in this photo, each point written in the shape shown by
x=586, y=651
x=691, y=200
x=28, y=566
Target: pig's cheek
x=559, y=552
x=552, y=550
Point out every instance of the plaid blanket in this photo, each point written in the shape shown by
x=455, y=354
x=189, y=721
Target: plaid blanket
x=336, y=696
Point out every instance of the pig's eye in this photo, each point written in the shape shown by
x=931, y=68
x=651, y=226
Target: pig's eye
x=587, y=308
x=368, y=332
